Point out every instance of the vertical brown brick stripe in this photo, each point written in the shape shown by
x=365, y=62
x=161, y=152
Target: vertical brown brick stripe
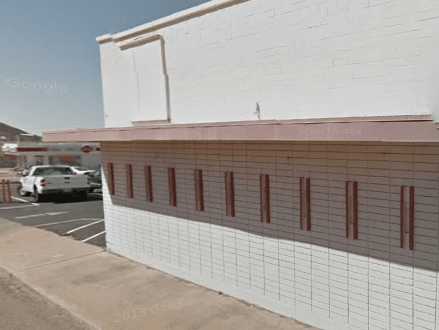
x=351, y=210
x=401, y=217
x=302, y=203
x=308, y=204
x=148, y=184
x=347, y=206
x=265, y=198
x=129, y=173
x=355, y=209
x=230, y=193
x=305, y=203
x=172, y=187
x=199, y=190
x=407, y=217
x=262, y=199
x=111, y=185
x=412, y=219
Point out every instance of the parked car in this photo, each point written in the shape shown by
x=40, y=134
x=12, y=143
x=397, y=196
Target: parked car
x=95, y=180
x=41, y=181
x=82, y=170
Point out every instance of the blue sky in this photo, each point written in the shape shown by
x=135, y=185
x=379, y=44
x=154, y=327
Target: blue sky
x=49, y=60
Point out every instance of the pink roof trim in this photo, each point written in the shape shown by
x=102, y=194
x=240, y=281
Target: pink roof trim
x=374, y=129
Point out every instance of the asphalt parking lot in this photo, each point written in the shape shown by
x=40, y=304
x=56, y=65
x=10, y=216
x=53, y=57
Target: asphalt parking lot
x=64, y=215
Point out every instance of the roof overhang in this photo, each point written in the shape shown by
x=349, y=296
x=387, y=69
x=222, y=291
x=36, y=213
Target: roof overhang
x=371, y=129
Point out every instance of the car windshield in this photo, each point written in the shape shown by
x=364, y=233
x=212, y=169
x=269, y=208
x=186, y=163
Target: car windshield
x=50, y=171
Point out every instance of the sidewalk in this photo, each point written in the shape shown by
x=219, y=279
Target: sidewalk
x=23, y=308
x=111, y=292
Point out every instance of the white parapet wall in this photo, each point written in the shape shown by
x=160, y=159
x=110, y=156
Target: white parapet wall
x=319, y=277
x=277, y=59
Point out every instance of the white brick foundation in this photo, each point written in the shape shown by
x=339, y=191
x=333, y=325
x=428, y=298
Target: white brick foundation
x=317, y=277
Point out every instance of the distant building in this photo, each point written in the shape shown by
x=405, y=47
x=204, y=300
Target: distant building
x=29, y=138
x=8, y=134
x=28, y=154
x=283, y=152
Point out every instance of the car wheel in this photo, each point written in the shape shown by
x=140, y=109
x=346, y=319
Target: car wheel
x=37, y=197
x=83, y=195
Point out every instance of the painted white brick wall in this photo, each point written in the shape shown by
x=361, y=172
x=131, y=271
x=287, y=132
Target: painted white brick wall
x=297, y=59
x=318, y=277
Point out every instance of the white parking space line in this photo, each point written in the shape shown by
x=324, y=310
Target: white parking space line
x=16, y=207
x=24, y=201
x=92, y=237
x=31, y=216
x=51, y=214
x=84, y=226
x=62, y=222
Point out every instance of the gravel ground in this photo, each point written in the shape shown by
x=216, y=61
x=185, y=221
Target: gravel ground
x=22, y=308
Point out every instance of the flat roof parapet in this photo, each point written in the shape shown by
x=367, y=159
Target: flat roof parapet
x=406, y=129
x=181, y=16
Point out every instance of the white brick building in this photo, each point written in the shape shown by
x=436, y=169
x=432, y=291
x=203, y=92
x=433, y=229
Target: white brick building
x=283, y=152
